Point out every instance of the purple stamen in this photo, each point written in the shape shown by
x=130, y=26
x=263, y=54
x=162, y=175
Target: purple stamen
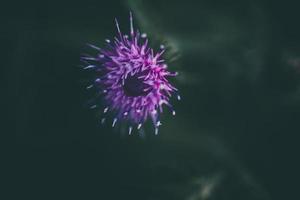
x=133, y=79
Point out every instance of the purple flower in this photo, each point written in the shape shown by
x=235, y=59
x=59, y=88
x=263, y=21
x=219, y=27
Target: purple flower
x=132, y=79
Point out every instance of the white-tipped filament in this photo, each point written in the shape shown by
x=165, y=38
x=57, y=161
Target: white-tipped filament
x=129, y=130
x=144, y=35
x=161, y=86
x=161, y=102
x=105, y=110
x=94, y=47
x=89, y=67
x=158, y=123
x=89, y=58
x=114, y=122
x=139, y=126
x=156, y=131
x=89, y=86
x=131, y=24
x=117, y=25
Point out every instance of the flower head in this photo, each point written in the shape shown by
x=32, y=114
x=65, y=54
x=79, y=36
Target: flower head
x=132, y=79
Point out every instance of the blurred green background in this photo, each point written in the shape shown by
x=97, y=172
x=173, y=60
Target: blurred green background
x=235, y=135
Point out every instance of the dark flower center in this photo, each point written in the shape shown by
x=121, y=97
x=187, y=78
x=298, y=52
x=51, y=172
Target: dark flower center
x=133, y=86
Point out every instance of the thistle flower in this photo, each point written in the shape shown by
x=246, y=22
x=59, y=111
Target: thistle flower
x=132, y=79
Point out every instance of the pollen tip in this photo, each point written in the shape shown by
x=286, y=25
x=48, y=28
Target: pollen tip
x=139, y=126
x=156, y=131
x=129, y=130
x=89, y=67
x=93, y=46
x=144, y=35
x=93, y=106
x=117, y=25
x=161, y=102
x=114, y=122
x=158, y=123
x=131, y=24
x=89, y=86
x=105, y=110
